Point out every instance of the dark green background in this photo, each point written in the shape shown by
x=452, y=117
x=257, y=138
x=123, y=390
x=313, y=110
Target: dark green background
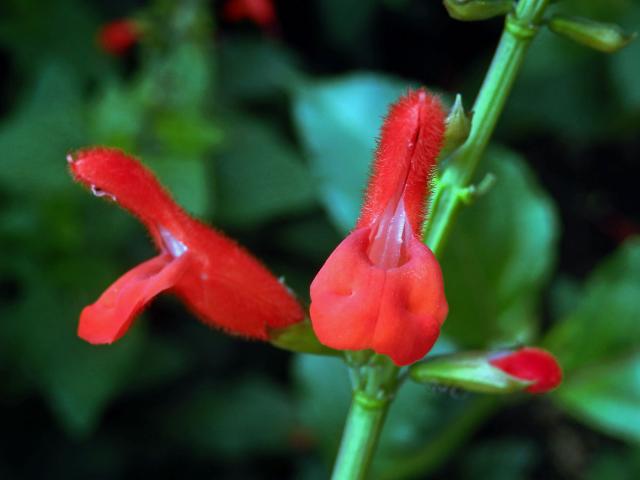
x=268, y=136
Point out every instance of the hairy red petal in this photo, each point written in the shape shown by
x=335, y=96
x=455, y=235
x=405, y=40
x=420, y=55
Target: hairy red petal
x=357, y=305
x=382, y=288
x=223, y=284
x=112, y=314
x=114, y=174
x=532, y=364
x=119, y=36
x=410, y=141
x=231, y=289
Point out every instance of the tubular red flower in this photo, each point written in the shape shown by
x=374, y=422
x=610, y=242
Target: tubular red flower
x=118, y=36
x=261, y=12
x=532, y=364
x=382, y=288
x=216, y=278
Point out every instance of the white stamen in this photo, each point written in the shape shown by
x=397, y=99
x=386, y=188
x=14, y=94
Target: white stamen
x=176, y=247
x=98, y=192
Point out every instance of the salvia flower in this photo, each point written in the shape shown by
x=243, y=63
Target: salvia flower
x=530, y=364
x=217, y=279
x=117, y=37
x=382, y=288
x=261, y=12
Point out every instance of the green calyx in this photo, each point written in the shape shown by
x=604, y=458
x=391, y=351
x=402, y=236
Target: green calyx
x=604, y=37
x=471, y=10
x=468, y=371
x=458, y=126
x=299, y=338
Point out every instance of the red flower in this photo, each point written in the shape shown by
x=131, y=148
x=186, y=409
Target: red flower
x=221, y=282
x=532, y=364
x=261, y=12
x=118, y=36
x=382, y=288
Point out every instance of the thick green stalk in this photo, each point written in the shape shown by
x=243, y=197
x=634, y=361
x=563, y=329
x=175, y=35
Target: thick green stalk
x=366, y=416
x=361, y=433
x=370, y=403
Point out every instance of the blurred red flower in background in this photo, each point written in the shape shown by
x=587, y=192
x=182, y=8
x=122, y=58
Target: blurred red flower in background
x=261, y=12
x=118, y=36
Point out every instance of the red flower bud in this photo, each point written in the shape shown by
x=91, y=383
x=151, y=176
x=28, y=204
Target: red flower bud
x=217, y=279
x=118, y=36
x=382, y=288
x=532, y=364
x=261, y=12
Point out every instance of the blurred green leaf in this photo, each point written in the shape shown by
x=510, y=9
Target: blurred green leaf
x=323, y=394
x=625, y=66
x=247, y=417
x=499, y=256
x=612, y=463
x=605, y=323
x=312, y=237
x=500, y=459
x=338, y=121
x=254, y=68
x=38, y=32
x=78, y=379
x=187, y=178
x=564, y=79
x=597, y=345
x=36, y=139
x=259, y=175
x=606, y=396
x=348, y=24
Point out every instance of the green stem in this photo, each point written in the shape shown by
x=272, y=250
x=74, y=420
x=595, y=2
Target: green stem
x=520, y=28
x=361, y=433
x=366, y=416
x=370, y=403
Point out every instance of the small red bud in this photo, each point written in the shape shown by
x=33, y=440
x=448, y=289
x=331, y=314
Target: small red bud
x=532, y=364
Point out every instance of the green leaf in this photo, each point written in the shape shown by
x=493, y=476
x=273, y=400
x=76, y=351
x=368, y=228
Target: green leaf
x=606, y=397
x=338, y=121
x=598, y=346
x=499, y=256
x=500, y=459
x=323, y=394
x=36, y=139
x=625, y=67
x=187, y=178
x=78, y=379
x=255, y=68
x=299, y=337
x=605, y=323
x=259, y=175
x=348, y=25
x=250, y=416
